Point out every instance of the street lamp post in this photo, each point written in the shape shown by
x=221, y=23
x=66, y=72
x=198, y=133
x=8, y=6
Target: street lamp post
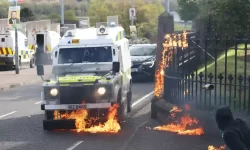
x=62, y=12
x=132, y=6
x=167, y=6
x=16, y=47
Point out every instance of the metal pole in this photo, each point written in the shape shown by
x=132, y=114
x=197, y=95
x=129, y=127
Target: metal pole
x=16, y=52
x=16, y=48
x=132, y=6
x=167, y=7
x=62, y=12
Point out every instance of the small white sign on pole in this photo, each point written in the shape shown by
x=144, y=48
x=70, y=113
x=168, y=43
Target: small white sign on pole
x=132, y=13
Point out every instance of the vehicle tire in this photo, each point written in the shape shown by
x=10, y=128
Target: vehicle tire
x=49, y=115
x=121, y=112
x=20, y=63
x=129, y=99
x=32, y=62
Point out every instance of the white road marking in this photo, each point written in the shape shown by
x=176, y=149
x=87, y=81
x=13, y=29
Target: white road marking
x=38, y=102
x=141, y=99
x=8, y=114
x=10, y=98
x=74, y=145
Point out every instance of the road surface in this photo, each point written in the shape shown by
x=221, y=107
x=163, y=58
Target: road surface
x=21, y=127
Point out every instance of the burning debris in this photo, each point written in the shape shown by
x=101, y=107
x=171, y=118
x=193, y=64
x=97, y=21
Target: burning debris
x=174, y=111
x=80, y=116
x=181, y=125
x=211, y=147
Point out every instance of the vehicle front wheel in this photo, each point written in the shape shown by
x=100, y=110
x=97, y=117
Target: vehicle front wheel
x=129, y=101
x=49, y=115
x=121, y=112
x=32, y=63
x=20, y=64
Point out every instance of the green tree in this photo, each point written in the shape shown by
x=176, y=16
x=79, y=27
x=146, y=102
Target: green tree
x=4, y=9
x=70, y=15
x=147, y=22
x=55, y=17
x=227, y=16
x=146, y=14
x=26, y=15
x=98, y=10
x=188, y=10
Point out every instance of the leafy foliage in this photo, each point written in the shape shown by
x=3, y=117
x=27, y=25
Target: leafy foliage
x=187, y=9
x=55, y=17
x=4, y=9
x=146, y=14
x=70, y=15
x=229, y=17
x=26, y=15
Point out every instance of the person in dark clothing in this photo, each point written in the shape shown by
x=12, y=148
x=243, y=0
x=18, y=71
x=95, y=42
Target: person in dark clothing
x=236, y=133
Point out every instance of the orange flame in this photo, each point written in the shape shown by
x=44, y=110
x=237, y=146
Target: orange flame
x=185, y=121
x=169, y=47
x=111, y=125
x=174, y=111
x=211, y=147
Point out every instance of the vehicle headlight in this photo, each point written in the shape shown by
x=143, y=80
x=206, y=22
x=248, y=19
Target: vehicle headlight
x=101, y=91
x=149, y=63
x=54, y=92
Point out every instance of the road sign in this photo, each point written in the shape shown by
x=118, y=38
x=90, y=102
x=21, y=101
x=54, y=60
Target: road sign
x=14, y=16
x=83, y=22
x=132, y=13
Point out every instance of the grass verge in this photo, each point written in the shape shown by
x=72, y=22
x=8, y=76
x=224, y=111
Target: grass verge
x=235, y=67
x=181, y=27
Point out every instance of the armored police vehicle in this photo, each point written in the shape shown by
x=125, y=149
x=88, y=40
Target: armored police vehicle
x=91, y=70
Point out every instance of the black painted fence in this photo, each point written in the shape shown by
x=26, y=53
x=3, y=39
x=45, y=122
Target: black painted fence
x=223, y=62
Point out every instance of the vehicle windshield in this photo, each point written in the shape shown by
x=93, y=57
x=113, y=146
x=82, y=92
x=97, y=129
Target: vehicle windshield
x=86, y=54
x=142, y=50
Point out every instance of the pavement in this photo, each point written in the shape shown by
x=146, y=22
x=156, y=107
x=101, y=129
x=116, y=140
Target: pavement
x=21, y=127
x=206, y=118
x=9, y=79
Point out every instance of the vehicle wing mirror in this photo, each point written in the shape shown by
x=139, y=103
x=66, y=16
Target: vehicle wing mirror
x=116, y=67
x=40, y=70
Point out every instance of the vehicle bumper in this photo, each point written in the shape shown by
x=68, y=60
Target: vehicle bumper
x=142, y=73
x=6, y=61
x=76, y=106
x=99, y=109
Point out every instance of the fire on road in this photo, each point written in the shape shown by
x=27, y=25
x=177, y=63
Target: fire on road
x=110, y=126
x=182, y=125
